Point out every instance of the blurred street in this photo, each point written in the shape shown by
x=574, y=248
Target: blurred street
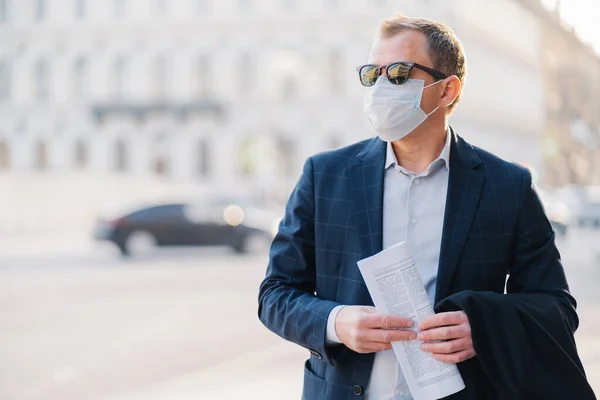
x=77, y=322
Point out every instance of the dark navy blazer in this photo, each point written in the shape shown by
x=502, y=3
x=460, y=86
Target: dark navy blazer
x=494, y=225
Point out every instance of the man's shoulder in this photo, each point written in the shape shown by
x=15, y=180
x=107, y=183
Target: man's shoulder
x=340, y=157
x=497, y=166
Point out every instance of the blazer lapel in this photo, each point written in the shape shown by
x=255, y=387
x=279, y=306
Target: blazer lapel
x=366, y=183
x=464, y=188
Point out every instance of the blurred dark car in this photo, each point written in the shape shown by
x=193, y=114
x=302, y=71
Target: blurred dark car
x=589, y=215
x=240, y=224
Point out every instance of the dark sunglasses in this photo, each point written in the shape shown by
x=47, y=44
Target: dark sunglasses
x=397, y=73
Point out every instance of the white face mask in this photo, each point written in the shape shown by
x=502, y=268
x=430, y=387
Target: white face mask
x=395, y=110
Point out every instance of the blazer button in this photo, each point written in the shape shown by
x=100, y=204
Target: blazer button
x=357, y=390
x=316, y=354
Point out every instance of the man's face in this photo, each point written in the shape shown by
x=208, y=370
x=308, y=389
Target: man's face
x=409, y=46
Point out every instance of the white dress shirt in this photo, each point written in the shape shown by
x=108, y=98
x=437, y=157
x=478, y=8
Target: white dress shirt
x=413, y=204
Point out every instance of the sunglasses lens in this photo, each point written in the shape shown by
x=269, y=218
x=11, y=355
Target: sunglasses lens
x=398, y=73
x=368, y=75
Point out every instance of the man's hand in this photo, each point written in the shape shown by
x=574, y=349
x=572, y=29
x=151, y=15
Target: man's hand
x=454, y=330
x=363, y=330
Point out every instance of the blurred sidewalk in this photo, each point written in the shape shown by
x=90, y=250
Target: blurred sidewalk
x=277, y=374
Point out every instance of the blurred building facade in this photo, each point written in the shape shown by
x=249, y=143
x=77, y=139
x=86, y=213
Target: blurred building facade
x=238, y=92
x=571, y=143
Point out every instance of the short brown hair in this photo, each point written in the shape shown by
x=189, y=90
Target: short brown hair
x=445, y=49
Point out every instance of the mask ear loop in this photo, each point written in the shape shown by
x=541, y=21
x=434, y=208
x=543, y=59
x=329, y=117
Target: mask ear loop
x=438, y=107
x=432, y=84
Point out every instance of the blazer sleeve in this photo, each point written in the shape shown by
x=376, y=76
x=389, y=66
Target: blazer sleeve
x=288, y=305
x=536, y=265
x=524, y=338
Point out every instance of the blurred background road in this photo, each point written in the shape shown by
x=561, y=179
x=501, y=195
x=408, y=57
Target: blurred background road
x=77, y=322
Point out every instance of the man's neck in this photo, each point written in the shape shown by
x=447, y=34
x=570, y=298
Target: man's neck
x=419, y=149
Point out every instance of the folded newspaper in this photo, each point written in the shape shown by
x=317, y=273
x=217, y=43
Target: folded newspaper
x=396, y=288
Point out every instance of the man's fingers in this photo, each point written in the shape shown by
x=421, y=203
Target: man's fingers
x=373, y=347
x=443, y=319
x=390, y=335
x=445, y=333
x=455, y=358
x=383, y=335
x=385, y=321
x=449, y=347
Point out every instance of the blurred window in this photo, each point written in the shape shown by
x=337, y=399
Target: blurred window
x=336, y=71
x=120, y=78
x=4, y=11
x=120, y=8
x=42, y=79
x=40, y=10
x=121, y=156
x=246, y=160
x=204, y=159
x=5, y=80
x=289, y=87
x=205, y=6
x=169, y=212
x=41, y=155
x=286, y=154
x=80, y=9
x=161, y=7
x=246, y=73
x=4, y=155
x=161, y=166
x=160, y=78
x=81, y=154
x=203, y=76
x=289, y=5
x=81, y=78
x=245, y=5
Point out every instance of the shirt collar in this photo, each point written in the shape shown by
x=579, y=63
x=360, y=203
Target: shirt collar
x=390, y=158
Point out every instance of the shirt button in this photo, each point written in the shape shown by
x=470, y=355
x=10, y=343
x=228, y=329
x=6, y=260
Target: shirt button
x=357, y=390
x=414, y=221
x=417, y=182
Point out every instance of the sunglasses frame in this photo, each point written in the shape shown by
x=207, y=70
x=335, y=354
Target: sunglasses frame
x=409, y=65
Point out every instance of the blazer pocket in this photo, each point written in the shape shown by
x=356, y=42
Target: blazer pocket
x=314, y=386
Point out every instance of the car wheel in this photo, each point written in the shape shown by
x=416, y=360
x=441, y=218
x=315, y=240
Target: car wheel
x=139, y=244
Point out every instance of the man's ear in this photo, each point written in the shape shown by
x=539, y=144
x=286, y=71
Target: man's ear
x=452, y=88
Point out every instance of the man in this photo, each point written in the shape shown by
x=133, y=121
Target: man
x=471, y=218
